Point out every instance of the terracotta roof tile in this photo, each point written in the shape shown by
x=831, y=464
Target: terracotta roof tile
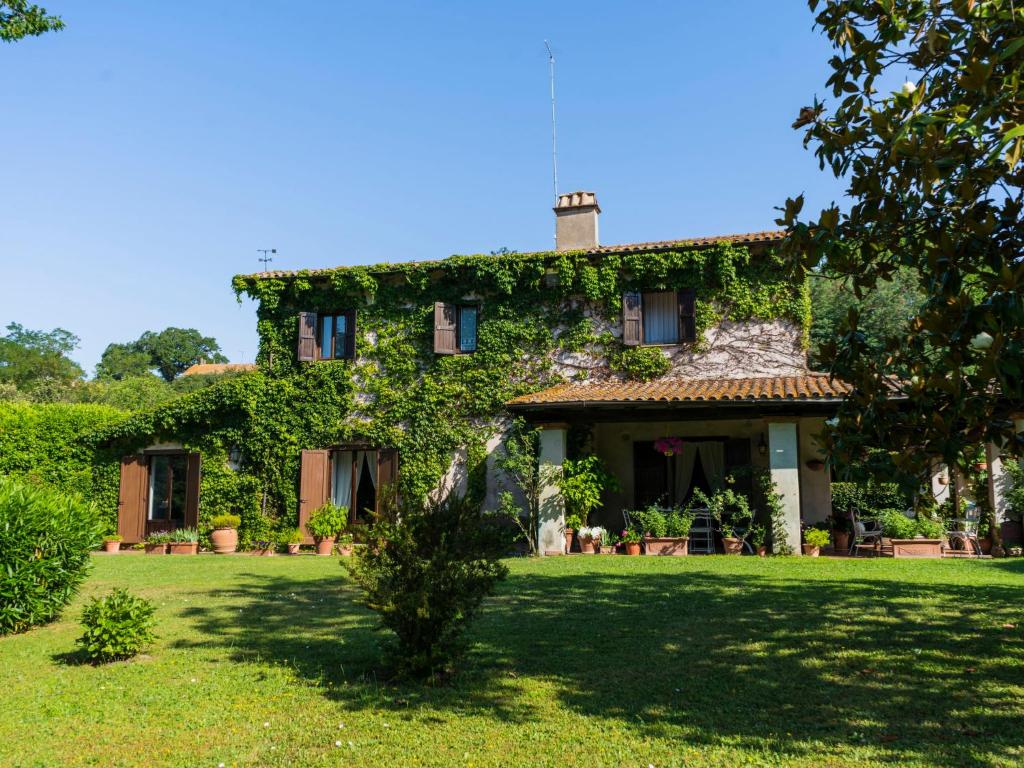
x=200, y=369
x=745, y=238
x=808, y=387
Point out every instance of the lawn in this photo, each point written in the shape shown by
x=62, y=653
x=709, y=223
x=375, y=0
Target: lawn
x=577, y=661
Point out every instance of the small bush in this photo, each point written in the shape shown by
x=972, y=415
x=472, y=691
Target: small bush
x=640, y=363
x=45, y=539
x=225, y=521
x=117, y=626
x=328, y=521
x=816, y=537
x=426, y=571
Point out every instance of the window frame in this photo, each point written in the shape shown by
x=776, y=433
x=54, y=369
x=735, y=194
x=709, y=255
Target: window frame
x=350, y=318
x=458, y=328
x=644, y=315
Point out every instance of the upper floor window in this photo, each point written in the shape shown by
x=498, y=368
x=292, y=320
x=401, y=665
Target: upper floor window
x=455, y=328
x=661, y=317
x=327, y=337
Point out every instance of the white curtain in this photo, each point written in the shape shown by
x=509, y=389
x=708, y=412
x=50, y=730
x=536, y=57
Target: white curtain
x=712, y=459
x=661, y=318
x=369, y=458
x=341, y=482
x=684, y=471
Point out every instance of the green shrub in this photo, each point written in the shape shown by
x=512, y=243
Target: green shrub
x=45, y=539
x=866, y=499
x=225, y=521
x=896, y=525
x=184, y=535
x=640, y=363
x=816, y=537
x=651, y=521
x=117, y=626
x=293, y=536
x=425, y=571
x=328, y=521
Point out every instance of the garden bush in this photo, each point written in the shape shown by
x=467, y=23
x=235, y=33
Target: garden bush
x=117, y=626
x=45, y=539
x=425, y=569
x=867, y=499
x=327, y=521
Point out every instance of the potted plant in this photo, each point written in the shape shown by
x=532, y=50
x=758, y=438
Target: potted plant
x=585, y=536
x=572, y=524
x=758, y=535
x=609, y=542
x=156, y=543
x=264, y=547
x=731, y=510
x=112, y=543
x=666, y=531
x=293, y=540
x=184, y=541
x=224, y=535
x=581, y=483
x=842, y=527
x=325, y=524
x=631, y=539
x=597, y=534
x=814, y=540
x=346, y=543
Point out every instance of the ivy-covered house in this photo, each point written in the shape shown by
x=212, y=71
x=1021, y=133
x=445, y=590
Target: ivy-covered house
x=409, y=374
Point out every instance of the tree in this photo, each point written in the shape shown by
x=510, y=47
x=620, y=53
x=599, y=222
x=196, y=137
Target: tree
x=935, y=182
x=19, y=18
x=519, y=461
x=170, y=352
x=883, y=313
x=29, y=359
x=123, y=361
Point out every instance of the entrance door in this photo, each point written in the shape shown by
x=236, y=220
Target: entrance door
x=159, y=492
x=168, y=478
x=650, y=475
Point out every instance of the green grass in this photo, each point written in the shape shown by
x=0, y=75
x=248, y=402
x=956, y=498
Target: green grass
x=577, y=661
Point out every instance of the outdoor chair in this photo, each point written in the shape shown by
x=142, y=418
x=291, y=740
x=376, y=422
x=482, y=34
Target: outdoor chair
x=964, y=530
x=702, y=533
x=867, y=535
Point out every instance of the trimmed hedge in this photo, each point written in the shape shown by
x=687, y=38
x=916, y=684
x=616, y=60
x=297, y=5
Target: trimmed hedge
x=867, y=499
x=45, y=539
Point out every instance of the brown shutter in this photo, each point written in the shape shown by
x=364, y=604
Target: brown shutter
x=687, y=315
x=307, y=336
x=350, y=334
x=387, y=474
x=445, y=329
x=632, y=318
x=193, y=474
x=131, y=500
x=314, y=485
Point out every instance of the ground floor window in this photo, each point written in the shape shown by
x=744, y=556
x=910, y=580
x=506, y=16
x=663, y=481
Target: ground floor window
x=167, y=487
x=354, y=482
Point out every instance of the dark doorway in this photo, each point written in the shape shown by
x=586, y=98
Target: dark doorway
x=650, y=475
x=366, y=493
x=699, y=479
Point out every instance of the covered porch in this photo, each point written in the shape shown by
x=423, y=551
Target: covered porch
x=722, y=430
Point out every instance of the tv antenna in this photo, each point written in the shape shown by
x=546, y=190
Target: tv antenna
x=554, y=135
x=265, y=258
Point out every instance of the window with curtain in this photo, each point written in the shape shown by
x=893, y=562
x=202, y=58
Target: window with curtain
x=661, y=318
x=467, y=328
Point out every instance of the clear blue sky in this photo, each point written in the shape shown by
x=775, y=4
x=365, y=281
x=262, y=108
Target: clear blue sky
x=151, y=148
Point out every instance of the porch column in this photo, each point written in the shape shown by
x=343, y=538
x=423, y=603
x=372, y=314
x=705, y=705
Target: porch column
x=784, y=462
x=551, y=525
x=998, y=479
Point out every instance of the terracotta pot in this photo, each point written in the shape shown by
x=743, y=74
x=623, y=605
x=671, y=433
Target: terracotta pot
x=842, y=541
x=762, y=551
x=811, y=551
x=325, y=545
x=293, y=549
x=608, y=550
x=632, y=547
x=678, y=546
x=112, y=547
x=267, y=551
x=184, y=547
x=595, y=545
x=917, y=547
x=985, y=543
x=732, y=546
x=224, y=540
x=586, y=544
x=156, y=549
x=345, y=550
x=568, y=540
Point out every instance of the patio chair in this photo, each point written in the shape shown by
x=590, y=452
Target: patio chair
x=702, y=532
x=867, y=535
x=964, y=530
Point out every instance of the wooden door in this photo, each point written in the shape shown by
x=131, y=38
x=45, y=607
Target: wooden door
x=131, y=500
x=314, y=485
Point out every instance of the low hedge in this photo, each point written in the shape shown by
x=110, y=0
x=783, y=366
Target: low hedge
x=867, y=499
x=45, y=539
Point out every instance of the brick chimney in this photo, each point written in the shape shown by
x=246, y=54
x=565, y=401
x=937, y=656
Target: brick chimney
x=576, y=221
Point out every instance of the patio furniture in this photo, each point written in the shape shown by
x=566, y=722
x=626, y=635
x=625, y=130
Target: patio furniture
x=702, y=533
x=867, y=535
x=964, y=530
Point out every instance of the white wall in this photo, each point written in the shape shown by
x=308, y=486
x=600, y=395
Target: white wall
x=815, y=485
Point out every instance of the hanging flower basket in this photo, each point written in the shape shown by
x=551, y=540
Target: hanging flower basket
x=669, y=446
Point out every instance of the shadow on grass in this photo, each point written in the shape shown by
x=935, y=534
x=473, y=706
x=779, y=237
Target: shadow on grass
x=789, y=665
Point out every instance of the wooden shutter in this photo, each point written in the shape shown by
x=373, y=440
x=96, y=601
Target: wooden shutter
x=131, y=500
x=445, y=329
x=314, y=485
x=193, y=472
x=687, y=315
x=632, y=318
x=307, y=336
x=387, y=474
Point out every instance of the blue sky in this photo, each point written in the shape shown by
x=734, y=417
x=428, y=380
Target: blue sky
x=151, y=148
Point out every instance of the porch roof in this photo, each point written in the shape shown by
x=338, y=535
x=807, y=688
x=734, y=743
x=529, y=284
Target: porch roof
x=809, y=387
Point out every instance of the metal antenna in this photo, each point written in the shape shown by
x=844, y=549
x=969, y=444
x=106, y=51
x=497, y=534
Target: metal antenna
x=554, y=135
x=264, y=258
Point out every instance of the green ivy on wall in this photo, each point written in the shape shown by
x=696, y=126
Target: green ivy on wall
x=397, y=393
